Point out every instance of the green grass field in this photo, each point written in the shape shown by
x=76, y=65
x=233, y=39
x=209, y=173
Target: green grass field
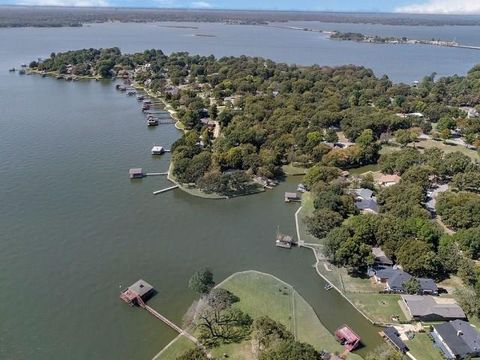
x=277, y=300
x=421, y=347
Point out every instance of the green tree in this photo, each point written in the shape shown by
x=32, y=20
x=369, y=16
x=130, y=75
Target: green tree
x=322, y=221
x=201, y=282
x=320, y=173
x=417, y=258
x=385, y=352
x=411, y=286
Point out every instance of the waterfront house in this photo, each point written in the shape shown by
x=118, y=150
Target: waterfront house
x=388, y=180
x=291, y=196
x=365, y=201
x=136, y=173
x=395, y=278
x=392, y=335
x=457, y=339
x=429, y=308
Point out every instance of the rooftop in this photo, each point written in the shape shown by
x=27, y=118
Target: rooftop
x=461, y=337
x=421, y=306
x=392, y=334
x=141, y=287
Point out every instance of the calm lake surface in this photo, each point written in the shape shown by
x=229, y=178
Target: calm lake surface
x=74, y=228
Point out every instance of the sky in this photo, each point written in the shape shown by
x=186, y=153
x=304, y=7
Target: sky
x=408, y=6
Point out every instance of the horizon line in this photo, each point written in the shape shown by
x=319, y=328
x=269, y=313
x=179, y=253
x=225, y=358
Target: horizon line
x=229, y=9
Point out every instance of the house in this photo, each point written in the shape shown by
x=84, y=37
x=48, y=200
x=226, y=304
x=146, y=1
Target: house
x=429, y=308
x=392, y=335
x=289, y=197
x=365, y=201
x=136, y=173
x=395, y=278
x=380, y=257
x=389, y=180
x=457, y=339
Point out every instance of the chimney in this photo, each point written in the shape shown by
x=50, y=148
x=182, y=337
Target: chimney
x=459, y=333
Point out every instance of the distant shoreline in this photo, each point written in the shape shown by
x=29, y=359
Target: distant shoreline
x=59, y=16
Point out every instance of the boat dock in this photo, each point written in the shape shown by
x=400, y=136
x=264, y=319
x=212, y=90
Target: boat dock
x=157, y=174
x=138, y=293
x=165, y=190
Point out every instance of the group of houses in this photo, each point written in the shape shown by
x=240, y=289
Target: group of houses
x=456, y=338
x=365, y=199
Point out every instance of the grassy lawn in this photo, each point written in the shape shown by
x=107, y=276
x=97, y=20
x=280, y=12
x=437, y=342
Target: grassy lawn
x=307, y=210
x=421, y=347
x=277, y=300
x=427, y=144
x=380, y=307
x=294, y=170
x=177, y=348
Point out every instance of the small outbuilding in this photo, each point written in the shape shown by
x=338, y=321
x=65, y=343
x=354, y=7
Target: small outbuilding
x=137, y=292
x=392, y=335
x=136, y=173
x=347, y=337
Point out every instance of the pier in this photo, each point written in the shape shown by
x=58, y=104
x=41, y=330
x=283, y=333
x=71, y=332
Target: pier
x=157, y=174
x=137, y=294
x=165, y=190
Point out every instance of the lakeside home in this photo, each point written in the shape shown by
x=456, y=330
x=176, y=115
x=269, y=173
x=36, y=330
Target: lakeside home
x=389, y=180
x=429, y=308
x=457, y=339
x=395, y=278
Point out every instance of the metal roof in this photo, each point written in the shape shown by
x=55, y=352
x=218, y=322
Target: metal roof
x=392, y=334
x=141, y=287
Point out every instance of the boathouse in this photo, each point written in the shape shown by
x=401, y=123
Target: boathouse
x=347, y=337
x=136, y=173
x=291, y=196
x=157, y=150
x=140, y=289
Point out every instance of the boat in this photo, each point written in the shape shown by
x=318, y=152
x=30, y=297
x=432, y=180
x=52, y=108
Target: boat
x=22, y=72
x=145, y=107
x=328, y=286
x=157, y=150
x=301, y=188
x=140, y=97
x=152, y=122
x=24, y=65
x=12, y=70
x=284, y=241
x=131, y=93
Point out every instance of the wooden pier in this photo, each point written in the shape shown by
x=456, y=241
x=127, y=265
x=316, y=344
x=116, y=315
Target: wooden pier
x=157, y=174
x=165, y=190
x=134, y=295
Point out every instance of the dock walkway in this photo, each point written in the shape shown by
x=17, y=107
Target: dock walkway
x=165, y=190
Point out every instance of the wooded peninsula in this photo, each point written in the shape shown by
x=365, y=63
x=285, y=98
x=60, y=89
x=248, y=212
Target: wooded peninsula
x=327, y=120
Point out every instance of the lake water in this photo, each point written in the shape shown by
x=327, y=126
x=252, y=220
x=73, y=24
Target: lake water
x=74, y=228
